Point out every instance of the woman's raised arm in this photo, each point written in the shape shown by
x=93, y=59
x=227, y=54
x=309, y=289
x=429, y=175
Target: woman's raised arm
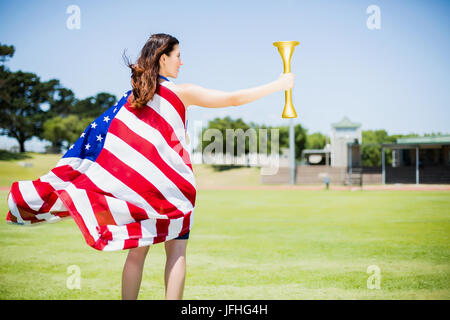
x=209, y=98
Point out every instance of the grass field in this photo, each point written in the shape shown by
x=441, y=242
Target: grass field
x=205, y=176
x=257, y=245
x=11, y=171
x=250, y=244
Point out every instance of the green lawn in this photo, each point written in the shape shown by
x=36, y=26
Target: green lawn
x=205, y=176
x=257, y=244
x=14, y=170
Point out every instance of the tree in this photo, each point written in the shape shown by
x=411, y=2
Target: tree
x=93, y=106
x=22, y=106
x=300, y=140
x=63, y=132
x=6, y=52
x=316, y=141
x=62, y=102
x=71, y=116
x=227, y=123
x=300, y=135
x=435, y=134
x=371, y=146
x=22, y=95
x=222, y=125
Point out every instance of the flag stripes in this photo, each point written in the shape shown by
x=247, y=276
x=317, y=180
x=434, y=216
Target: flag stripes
x=127, y=181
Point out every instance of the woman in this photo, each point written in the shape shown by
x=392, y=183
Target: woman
x=159, y=60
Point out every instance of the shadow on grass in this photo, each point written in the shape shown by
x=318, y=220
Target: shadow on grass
x=9, y=156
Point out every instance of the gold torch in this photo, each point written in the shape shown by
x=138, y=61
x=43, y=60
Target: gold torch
x=286, y=49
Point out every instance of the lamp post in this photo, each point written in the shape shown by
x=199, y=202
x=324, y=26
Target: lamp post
x=292, y=151
x=383, y=167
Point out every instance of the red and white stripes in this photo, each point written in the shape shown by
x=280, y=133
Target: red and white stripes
x=139, y=191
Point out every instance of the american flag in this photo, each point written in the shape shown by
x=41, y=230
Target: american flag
x=127, y=181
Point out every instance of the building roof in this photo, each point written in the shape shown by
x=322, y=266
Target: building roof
x=406, y=143
x=346, y=123
x=416, y=140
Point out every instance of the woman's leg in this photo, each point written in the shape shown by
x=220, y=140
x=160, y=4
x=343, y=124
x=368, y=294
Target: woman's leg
x=132, y=272
x=175, y=272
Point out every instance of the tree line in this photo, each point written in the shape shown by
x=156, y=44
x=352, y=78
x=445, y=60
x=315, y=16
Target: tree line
x=370, y=144
x=30, y=107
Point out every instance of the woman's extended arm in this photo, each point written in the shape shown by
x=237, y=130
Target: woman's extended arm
x=209, y=98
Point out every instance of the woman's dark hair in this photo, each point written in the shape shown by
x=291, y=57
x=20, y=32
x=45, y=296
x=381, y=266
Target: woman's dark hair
x=144, y=72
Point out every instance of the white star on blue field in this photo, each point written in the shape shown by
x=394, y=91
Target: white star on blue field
x=91, y=141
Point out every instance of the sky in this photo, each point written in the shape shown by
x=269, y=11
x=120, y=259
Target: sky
x=395, y=77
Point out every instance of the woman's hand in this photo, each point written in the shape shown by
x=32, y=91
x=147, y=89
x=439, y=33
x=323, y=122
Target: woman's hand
x=286, y=81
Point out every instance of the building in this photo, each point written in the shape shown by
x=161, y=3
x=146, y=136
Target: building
x=418, y=160
x=339, y=161
x=346, y=136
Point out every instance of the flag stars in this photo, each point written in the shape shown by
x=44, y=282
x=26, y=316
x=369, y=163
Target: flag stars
x=87, y=146
x=115, y=109
x=99, y=138
x=71, y=147
x=82, y=135
x=93, y=125
x=106, y=119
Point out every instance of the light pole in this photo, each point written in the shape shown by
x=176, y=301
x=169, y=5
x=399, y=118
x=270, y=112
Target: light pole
x=292, y=151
